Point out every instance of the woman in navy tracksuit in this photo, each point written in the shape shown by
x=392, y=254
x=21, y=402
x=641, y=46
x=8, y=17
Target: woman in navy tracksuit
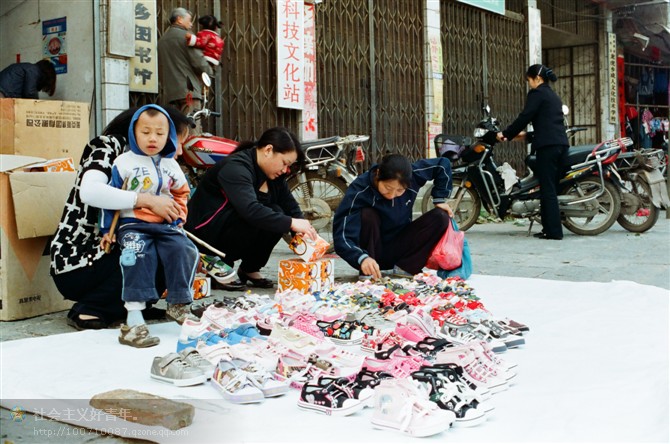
x=544, y=109
x=373, y=228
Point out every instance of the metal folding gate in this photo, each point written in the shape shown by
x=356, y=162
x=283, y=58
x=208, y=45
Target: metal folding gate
x=484, y=58
x=370, y=70
x=578, y=86
x=371, y=73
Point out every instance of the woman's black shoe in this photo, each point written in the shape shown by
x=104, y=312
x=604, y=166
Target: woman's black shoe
x=255, y=282
x=546, y=236
x=236, y=285
x=86, y=324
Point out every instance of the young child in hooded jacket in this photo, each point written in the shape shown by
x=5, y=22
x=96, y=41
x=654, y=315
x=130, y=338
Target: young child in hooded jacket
x=143, y=236
x=208, y=39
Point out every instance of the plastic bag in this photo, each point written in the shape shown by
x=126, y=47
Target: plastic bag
x=447, y=254
x=465, y=270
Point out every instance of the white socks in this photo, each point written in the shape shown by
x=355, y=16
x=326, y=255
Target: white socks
x=135, y=313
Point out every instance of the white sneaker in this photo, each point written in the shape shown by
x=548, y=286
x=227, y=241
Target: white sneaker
x=192, y=329
x=403, y=405
x=261, y=378
x=234, y=384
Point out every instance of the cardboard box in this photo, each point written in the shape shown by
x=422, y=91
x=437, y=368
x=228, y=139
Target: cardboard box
x=44, y=128
x=306, y=277
x=52, y=166
x=32, y=204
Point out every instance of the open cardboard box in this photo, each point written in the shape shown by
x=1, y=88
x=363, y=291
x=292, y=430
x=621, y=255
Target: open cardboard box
x=44, y=128
x=32, y=204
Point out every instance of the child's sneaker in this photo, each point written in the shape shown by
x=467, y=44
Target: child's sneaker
x=423, y=320
x=403, y=405
x=261, y=378
x=306, y=323
x=179, y=313
x=453, y=397
x=173, y=369
x=137, y=336
x=217, y=269
x=191, y=356
x=234, y=384
x=332, y=400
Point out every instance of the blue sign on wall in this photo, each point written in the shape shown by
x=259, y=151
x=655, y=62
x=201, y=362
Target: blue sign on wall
x=497, y=6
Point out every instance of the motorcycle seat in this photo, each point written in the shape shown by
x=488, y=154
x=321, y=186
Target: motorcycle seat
x=576, y=154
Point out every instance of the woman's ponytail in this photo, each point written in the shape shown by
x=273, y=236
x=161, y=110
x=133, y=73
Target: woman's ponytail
x=547, y=74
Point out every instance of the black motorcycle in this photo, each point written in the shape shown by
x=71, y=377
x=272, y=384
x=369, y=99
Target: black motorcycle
x=589, y=200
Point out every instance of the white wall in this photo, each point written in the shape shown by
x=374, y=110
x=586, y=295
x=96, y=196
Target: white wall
x=21, y=33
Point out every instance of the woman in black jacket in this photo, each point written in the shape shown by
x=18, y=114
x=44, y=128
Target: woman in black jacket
x=550, y=142
x=243, y=205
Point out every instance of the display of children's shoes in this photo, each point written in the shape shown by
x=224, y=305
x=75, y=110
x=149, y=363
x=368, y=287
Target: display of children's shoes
x=137, y=336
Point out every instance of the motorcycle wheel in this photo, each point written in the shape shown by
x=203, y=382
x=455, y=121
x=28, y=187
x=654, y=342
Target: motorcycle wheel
x=324, y=195
x=609, y=207
x=643, y=217
x=468, y=209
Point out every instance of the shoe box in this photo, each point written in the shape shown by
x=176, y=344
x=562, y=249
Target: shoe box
x=202, y=287
x=306, y=277
x=39, y=141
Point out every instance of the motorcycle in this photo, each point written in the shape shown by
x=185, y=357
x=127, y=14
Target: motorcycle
x=644, y=188
x=331, y=165
x=589, y=201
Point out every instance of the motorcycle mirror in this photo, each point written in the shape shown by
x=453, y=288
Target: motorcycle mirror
x=206, y=79
x=566, y=110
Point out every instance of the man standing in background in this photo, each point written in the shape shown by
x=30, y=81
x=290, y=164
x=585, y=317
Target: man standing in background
x=179, y=66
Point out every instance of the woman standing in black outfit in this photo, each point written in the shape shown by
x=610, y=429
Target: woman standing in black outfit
x=243, y=205
x=550, y=142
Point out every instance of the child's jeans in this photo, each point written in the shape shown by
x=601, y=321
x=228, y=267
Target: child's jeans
x=141, y=245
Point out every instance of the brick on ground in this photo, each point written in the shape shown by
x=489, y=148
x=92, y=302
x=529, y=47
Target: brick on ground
x=145, y=408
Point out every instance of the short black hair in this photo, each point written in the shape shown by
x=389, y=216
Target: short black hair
x=395, y=167
x=47, y=81
x=209, y=22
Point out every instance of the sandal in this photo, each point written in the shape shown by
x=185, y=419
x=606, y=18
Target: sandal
x=137, y=336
